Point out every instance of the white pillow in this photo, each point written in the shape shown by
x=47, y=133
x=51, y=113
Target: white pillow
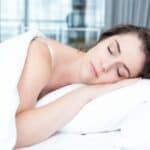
x=106, y=112
x=135, y=132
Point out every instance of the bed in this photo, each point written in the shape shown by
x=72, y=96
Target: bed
x=118, y=120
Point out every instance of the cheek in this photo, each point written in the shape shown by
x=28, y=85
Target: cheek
x=96, y=51
x=108, y=77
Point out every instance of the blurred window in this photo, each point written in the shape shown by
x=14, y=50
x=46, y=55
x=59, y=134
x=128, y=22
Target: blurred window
x=74, y=22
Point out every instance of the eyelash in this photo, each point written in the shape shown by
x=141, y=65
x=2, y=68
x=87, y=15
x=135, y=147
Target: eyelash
x=119, y=75
x=117, y=70
x=109, y=50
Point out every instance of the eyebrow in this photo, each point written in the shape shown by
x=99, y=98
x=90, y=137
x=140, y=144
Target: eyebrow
x=118, y=46
x=119, y=50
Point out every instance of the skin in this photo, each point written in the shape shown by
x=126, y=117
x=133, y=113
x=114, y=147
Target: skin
x=69, y=66
x=112, y=60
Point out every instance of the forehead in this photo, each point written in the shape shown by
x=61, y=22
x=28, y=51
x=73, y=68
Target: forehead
x=130, y=40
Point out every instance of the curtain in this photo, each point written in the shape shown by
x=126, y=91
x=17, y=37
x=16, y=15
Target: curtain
x=136, y=12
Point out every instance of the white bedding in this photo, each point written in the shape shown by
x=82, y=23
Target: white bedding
x=106, y=112
x=69, y=141
x=99, y=120
x=12, y=57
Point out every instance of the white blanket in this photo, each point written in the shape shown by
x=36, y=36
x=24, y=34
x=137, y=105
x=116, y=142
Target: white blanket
x=70, y=141
x=12, y=57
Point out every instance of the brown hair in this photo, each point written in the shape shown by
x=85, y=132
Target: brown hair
x=142, y=33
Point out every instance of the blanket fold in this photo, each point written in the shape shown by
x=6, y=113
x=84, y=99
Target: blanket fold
x=12, y=57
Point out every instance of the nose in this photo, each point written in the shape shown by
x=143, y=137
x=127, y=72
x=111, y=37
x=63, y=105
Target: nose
x=105, y=67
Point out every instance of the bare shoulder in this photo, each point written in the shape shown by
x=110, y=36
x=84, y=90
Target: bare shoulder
x=58, y=45
x=35, y=74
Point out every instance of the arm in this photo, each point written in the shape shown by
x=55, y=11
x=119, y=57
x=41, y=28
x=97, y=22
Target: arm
x=35, y=75
x=38, y=124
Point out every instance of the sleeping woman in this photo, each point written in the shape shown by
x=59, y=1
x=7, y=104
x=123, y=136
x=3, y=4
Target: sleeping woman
x=121, y=54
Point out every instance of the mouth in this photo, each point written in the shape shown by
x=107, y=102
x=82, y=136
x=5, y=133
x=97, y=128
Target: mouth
x=94, y=70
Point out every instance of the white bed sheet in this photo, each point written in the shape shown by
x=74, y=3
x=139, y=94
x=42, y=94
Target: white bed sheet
x=71, y=141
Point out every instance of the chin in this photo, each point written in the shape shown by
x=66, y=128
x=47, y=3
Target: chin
x=89, y=80
x=87, y=77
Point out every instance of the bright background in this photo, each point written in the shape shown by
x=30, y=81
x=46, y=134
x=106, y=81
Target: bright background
x=77, y=23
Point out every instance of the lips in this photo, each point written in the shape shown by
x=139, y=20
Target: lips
x=94, y=70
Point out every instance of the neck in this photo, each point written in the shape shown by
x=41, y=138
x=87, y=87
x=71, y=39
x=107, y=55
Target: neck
x=66, y=67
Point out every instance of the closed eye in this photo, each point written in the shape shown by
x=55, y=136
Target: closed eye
x=109, y=50
x=121, y=72
x=118, y=73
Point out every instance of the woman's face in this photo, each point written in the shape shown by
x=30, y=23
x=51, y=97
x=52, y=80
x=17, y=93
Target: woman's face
x=113, y=59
